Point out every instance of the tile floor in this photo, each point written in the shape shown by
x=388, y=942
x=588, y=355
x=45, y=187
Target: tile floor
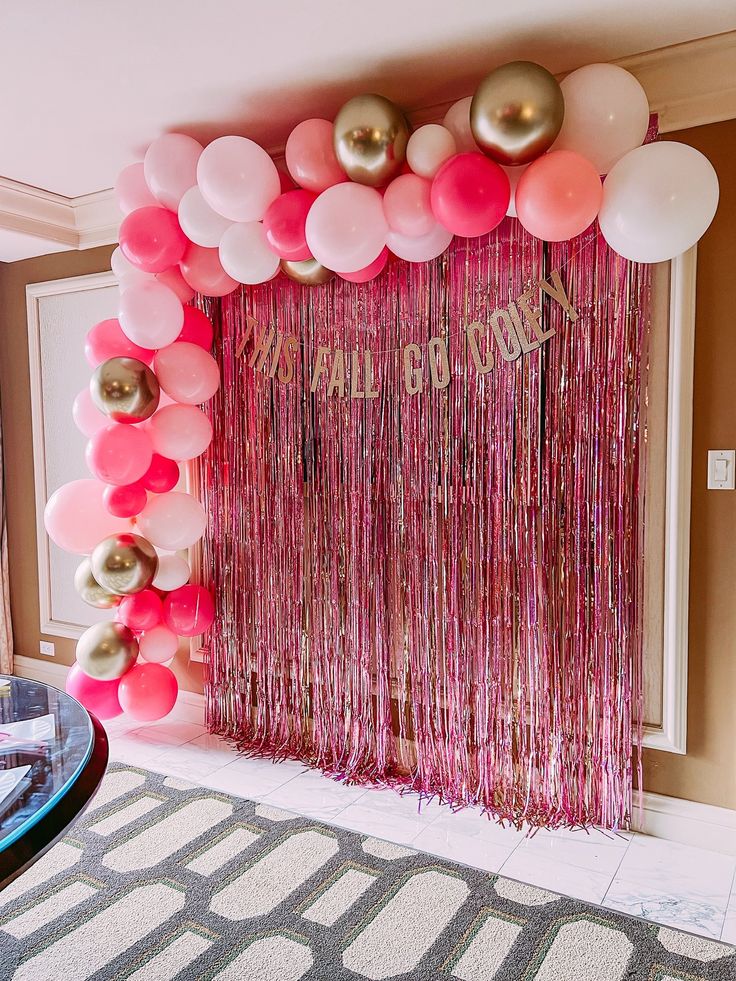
x=677, y=885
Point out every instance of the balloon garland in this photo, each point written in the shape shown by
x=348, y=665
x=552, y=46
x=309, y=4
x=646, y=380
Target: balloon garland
x=358, y=191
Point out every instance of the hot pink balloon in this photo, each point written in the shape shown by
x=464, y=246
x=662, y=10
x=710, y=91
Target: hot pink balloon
x=87, y=417
x=370, y=272
x=470, y=195
x=98, y=697
x=106, y=340
x=310, y=156
x=170, y=167
x=151, y=239
x=131, y=190
x=186, y=372
x=151, y=314
x=406, y=204
x=176, y=283
x=202, y=269
x=346, y=227
x=76, y=518
x=158, y=644
x=420, y=249
x=237, y=178
x=172, y=521
x=189, y=610
x=141, y=611
x=558, y=196
x=126, y=500
x=180, y=432
x=285, y=224
x=148, y=692
x=197, y=328
x=119, y=454
x=161, y=476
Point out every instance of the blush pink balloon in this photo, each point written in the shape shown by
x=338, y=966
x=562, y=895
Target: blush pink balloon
x=186, y=372
x=151, y=239
x=202, y=269
x=173, y=571
x=106, y=340
x=172, y=521
x=420, y=249
x=310, y=156
x=428, y=148
x=158, y=644
x=125, y=501
x=197, y=328
x=170, y=167
x=370, y=272
x=470, y=195
x=346, y=227
x=179, y=432
x=406, y=203
x=148, y=692
x=285, y=224
x=131, y=190
x=119, y=454
x=161, y=476
x=237, y=178
x=87, y=417
x=141, y=611
x=457, y=120
x=176, y=283
x=100, y=698
x=151, y=314
x=189, y=610
x=558, y=196
x=76, y=518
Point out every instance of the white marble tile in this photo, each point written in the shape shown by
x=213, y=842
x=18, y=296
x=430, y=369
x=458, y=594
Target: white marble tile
x=454, y=846
x=472, y=823
x=675, y=869
x=315, y=796
x=695, y=913
x=190, y=761
x=539, y=870
x=137, y=752
x=591, y=851
x=252, y=778
x=168, y=733
x=388, y=815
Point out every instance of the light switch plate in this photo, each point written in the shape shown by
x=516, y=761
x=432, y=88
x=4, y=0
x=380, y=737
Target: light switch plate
x=721, y=469
x=47, y=647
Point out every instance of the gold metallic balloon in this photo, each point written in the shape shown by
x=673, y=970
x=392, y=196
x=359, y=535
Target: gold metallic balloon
x=370, y=136
x=125, y=389
x=308, y=272
x=107, y=650
x=124, y=563
x=517, y=112
x=90, y=590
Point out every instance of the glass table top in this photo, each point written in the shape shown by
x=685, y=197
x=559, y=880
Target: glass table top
x=46, y=738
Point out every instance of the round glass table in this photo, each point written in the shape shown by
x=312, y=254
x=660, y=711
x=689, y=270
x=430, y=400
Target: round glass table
x=53, y=755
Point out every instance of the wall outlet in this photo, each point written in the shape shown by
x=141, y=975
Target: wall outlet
x=46, y=647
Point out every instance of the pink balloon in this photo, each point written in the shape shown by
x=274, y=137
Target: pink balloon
x=370, y=272
x=151, y=314
x=407, y=206
x=189, y=610
x=202, y=269
x=197, y=328
x=310, y=156
x=125, y=501
x=87, y=417
x=186, y=372
x=148, y=692
x=151, y=239
x=172, y=521
x=170, y=167
x=420, y=249
x=141, y=611
x=237, y=178
x=98, y=697
x=285, y=224
x=558, y=196
x=176, y=283
x=428, y=148
x=158, y=644
x=457, y=120
x=180, y=432
x=76, y=517
x=161, y=476
x=106, y=340
x=346, y=227
x=470, y=195
x=119, y=454
x=131, y=190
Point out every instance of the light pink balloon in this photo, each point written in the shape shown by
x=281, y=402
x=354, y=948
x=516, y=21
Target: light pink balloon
x=370, y=272
x=199, y=222
x=173, y=571
x=148, y=692
x=131, y=190
x=513, y=174
x=420, y=249
x=246, y=255
x=151, y=314
x=170, y=167
x=119, y=454
x=180, y=432
x=310, y=156
x=76, y=517
x=172, y=521
x=187, y=372
x=157, y=645
x=237, y=178
x=428, y=148
x=177, y=284
x=125, y=272
x=346, y=227
x=202, y=269
x=87, y=417
x=406, y=204
x=457, y=120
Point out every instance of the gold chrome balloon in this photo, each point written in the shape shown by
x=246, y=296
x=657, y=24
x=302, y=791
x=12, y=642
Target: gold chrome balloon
x=125, y=389
x=370, y=137
x=517, y=112
x=124, y=563
x=90, y=590
x=308, y=272
x=107, y=650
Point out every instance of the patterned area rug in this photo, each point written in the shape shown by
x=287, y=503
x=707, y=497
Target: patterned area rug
x=164, y=880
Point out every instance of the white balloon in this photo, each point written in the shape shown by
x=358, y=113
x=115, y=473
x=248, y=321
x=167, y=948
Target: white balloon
x=150, y=314
x=428, y=148
x=513, y=174
x=457, y=120
x=657, y=201
x=199, y=222
x=238, y=178
x=172, y=521
x=246, y=255
x=125, y=272
x=173, y=571
x=420, y=249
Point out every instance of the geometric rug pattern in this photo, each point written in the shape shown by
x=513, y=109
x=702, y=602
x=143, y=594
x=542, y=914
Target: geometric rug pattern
x=164, y=880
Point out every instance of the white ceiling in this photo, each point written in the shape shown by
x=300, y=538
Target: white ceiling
x=85, y=85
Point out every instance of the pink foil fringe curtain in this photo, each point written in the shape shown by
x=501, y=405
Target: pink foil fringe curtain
x=440, y=591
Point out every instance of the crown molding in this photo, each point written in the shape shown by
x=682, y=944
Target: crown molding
x=688, y=84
